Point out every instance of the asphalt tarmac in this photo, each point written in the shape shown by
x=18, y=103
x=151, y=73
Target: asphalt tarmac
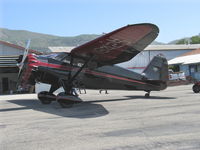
x=120, y=120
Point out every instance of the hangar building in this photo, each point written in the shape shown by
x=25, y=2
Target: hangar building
x=189, y=63
x=9, y=54
x=140, y=62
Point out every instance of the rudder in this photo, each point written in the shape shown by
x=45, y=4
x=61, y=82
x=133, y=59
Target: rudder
x=157, y=69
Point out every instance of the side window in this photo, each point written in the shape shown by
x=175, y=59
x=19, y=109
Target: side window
x=66, y=60
x=78, y=62
x=61, y=56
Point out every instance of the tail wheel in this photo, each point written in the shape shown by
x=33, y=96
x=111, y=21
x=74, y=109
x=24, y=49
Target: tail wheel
x=196, y=88
x=46, y=97
x=147, y=95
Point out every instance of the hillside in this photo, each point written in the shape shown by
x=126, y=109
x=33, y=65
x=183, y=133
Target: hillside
x=188, y=40
x=41, y=42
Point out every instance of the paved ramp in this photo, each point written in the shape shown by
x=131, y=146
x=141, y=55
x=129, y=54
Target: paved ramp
x=125, y=120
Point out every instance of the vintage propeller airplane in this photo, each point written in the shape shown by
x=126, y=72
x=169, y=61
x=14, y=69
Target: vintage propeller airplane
x=92, y=65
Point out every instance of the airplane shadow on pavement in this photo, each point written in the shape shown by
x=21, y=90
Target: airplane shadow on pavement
x=131, y=98
x=86, y=109
x=81, y=110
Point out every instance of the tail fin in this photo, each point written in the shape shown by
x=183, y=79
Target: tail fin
x=157, y=69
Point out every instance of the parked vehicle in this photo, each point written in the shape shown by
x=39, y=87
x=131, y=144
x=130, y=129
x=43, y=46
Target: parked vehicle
x=196, y=87
x=176, y=75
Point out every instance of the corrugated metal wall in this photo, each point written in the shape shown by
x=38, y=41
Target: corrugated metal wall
x=139, y=62
x=7, y=51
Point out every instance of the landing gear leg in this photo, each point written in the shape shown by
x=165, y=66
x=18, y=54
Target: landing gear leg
x=67, y=99
x=147, y=95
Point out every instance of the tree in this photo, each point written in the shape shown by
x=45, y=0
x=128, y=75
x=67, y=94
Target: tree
x=195, y=40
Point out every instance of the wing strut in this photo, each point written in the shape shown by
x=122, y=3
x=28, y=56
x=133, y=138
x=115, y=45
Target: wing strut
x=81, y=68
x=67, y=85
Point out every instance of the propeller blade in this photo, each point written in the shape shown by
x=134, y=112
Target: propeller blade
x=24, y=57
x=26, y=50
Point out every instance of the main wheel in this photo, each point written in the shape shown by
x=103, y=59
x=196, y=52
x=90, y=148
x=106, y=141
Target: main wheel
x=196, y=88
x=46, y=97
x=65, y=103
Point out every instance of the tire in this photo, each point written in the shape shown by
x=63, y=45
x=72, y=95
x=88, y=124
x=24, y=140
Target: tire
x=64, y=103
x=147, y=95
x=196, y=88
x=46, y=97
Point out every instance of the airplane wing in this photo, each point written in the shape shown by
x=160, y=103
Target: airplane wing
x=118, y=46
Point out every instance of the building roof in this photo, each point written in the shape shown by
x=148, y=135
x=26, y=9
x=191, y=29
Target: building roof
x=18, y=47
x=173, y=47
x=196, y=51
x=61, y=49
x=189, y=59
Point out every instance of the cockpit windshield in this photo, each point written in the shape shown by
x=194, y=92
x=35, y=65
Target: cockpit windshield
x=64, y=58
x=61, y=56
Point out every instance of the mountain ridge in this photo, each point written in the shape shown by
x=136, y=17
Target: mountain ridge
x=41, y=41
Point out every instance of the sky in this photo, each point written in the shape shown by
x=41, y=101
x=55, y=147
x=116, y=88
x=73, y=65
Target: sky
x=175, y=18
